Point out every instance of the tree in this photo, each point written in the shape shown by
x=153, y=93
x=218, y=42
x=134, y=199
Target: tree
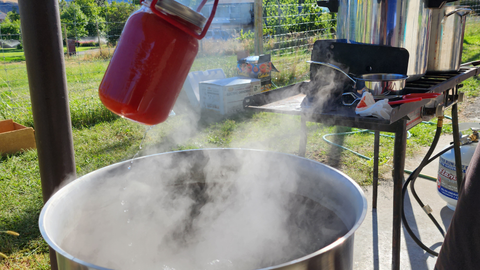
x=74, y=19
x=9, y=29
x=13, y=15
x=95, y=15
x=116, y=15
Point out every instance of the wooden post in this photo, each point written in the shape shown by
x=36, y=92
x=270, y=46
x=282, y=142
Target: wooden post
x=42, y=44
x=98, y=36
x=65, y=37
x=258, y=11
x=279, y=11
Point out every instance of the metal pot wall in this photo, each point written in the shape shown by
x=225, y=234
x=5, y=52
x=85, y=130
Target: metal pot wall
x=75, y=204
x=446, y=38
x=399, y=23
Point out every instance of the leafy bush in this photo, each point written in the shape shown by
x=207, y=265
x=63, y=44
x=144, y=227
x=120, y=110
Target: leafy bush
x=247, y=35
x=11, y=29
x=87, y=43
x=290, y=16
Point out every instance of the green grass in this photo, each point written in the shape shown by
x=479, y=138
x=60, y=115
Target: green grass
x=12, y=55
x=471, y=52
x=8, y=55
x=101, y=138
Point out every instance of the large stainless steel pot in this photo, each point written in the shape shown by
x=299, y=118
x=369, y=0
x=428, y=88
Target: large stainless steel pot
x=398, y=23
x=82, y=205
x=446, y=38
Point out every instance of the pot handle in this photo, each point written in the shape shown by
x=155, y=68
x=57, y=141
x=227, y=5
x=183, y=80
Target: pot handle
x=460, y=11
x=473, y=63
x=336, y=68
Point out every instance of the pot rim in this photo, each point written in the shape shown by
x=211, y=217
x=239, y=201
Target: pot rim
x=383, y=77
x=333, y=245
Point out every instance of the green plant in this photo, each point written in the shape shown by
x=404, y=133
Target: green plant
x=290, y=16
x=10, y=233
x=103, y=54
x=246, y=35
x=10, y=26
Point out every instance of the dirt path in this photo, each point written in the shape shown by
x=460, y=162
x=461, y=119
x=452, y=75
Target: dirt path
x=470, y=110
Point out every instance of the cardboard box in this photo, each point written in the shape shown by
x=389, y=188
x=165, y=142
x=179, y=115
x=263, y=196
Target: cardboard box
x=15, y=137
x=258, y=67
x=226, y=96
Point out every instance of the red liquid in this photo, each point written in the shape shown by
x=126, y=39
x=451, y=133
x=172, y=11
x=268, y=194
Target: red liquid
x=148, y=69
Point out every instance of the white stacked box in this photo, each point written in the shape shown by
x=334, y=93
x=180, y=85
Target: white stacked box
x=226, y=95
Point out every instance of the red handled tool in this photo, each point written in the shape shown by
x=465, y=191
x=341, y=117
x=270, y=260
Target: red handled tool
x=408, y=100
x=414, y=98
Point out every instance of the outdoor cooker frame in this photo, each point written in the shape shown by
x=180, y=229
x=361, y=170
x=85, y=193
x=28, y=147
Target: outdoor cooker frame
x=293, y=100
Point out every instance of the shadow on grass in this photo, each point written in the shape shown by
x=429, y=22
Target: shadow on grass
x=335, y=153
x=109, y=149
x=85, y=119
x=26, y=224
x=208, y=118
x=201, y=123
x=6, y=157
x=472, y=58
x=82, y=119
x=12, y=59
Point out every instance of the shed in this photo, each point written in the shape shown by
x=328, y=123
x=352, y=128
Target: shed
x=231, y=15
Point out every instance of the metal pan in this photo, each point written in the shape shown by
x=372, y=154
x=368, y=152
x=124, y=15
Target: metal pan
x=375, y=83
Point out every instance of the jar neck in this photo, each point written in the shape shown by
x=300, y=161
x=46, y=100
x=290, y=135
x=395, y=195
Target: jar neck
x=180, y=12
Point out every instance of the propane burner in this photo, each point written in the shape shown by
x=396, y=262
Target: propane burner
x=327, y=84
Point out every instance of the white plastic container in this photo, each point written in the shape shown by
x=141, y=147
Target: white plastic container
x=226, y=96
x=447, y=176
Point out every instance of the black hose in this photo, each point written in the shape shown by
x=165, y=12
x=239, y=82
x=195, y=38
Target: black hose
x=426, y=160
x=405, y=223
x=414, y=192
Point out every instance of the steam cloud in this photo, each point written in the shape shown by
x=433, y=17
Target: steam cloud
x=207, y=214
x=198, y=212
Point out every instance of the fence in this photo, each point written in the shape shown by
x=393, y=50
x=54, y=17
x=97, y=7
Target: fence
x=289, y=30
x=289, y=33
x=473, y=4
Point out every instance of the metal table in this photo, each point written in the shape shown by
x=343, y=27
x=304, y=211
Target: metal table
x=287, y=100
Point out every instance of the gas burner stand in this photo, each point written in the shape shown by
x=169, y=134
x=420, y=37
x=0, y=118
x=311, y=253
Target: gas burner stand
x=287, y=100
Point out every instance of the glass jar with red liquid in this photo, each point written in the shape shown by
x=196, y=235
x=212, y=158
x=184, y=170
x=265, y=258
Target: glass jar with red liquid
x=152, y=59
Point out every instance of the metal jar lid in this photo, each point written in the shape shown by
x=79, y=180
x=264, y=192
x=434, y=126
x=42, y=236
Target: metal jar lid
x=173, y=7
